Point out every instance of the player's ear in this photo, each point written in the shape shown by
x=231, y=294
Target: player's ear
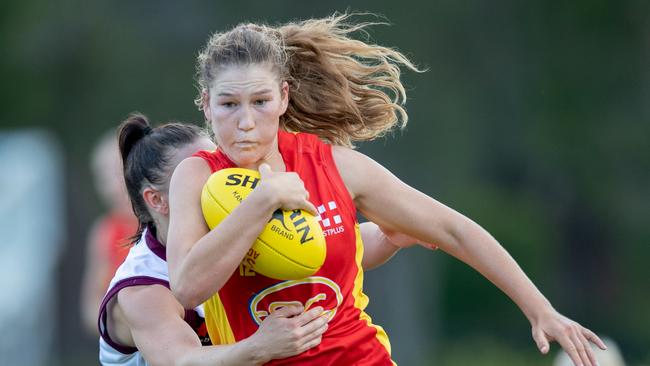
x=205, y=104
x=284, y=97
x=154, y=199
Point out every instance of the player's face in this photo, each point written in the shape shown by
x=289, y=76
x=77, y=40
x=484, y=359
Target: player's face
x=244, y=105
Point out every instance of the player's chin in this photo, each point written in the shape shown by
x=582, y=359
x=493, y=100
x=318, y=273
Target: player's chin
x=247, y=158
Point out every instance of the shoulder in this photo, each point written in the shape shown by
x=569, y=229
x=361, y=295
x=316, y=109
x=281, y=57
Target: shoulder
x=132, y=303
x=141, y=307
x=138, y=301
x=193, y=164
x=193, y=171
x=144, y=264
x=204, y=154
x=301, y=141
x=360, y=173
x=351, y=165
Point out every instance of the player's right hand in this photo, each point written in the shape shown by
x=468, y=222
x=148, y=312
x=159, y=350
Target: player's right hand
x=285, y=189
x=289, y=331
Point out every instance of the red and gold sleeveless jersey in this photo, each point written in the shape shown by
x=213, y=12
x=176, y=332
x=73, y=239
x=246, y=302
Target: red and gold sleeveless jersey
x=236, y=311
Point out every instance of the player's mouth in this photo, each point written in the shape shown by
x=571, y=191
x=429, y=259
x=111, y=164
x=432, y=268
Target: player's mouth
x=245, y=144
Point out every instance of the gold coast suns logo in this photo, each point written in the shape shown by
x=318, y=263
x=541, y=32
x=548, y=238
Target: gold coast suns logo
x=308, y=292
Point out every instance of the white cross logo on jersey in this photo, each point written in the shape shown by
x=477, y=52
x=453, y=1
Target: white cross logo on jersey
x=329, y=218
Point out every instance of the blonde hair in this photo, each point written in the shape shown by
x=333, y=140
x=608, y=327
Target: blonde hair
x=341, y=89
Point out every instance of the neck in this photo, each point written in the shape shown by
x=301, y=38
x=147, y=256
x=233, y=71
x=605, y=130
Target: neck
x=162, y=226
x=273, y=158
x=162, y=238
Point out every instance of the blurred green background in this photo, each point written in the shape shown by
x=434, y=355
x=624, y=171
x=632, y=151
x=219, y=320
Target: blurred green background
x=533, y=120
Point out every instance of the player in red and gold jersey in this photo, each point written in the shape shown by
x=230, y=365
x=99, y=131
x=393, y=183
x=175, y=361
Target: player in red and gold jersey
x=336, y=286
x=311, y=78
x=140, y=321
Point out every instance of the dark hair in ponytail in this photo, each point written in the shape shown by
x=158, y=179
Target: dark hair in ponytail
x=146, y=156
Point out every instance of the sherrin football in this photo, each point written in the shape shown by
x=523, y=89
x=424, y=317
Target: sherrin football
x=291, y=246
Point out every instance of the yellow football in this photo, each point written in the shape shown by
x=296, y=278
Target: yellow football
x=291, y=246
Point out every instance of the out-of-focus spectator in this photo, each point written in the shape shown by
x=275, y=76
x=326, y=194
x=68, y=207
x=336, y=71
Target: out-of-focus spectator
x=32, y=226
x=107, y=244
x=610, y=357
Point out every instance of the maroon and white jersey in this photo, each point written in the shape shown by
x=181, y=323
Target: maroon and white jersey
x=146, y=264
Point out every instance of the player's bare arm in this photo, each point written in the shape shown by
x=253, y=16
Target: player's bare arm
x=426, y=219
x=381, y=244
x=158, y=330
x=201, y=261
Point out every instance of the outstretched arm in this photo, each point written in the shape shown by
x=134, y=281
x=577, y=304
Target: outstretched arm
x=426, y=219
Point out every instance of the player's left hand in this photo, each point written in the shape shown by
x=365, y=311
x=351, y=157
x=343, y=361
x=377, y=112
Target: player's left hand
x=402, y=240
x=573, y=337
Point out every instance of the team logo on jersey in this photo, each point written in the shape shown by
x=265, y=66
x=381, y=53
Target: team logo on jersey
x=308, y=292
x=329, y=219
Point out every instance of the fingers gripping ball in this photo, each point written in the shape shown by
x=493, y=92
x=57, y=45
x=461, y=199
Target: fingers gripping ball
x=291, y=246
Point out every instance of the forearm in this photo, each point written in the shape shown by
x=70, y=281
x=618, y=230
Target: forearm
x=238, y=354
x=184, y=349
x=377, y=248
x=212, y=259
x=476, y=247
x=155, y=320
